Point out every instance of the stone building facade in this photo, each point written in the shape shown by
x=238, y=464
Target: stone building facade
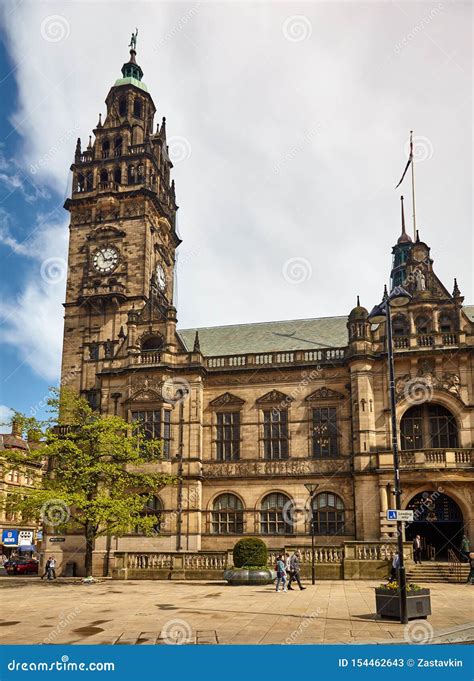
x=250, y=414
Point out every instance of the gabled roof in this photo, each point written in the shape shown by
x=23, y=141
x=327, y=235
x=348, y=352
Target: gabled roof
x=283, y=336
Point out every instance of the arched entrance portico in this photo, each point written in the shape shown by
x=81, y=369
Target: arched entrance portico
x=439, y=522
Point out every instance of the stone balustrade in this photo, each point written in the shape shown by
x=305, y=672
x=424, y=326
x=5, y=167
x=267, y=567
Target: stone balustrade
x=327, y=355
x=429, y=458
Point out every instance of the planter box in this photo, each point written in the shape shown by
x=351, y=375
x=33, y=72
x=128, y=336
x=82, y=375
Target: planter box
x=418, y=604
x=242, y=576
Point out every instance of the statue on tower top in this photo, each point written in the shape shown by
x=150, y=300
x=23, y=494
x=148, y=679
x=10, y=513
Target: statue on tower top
x=133, y=40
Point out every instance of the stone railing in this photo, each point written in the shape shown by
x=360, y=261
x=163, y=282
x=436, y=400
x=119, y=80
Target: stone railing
x=425, y=340
x=429, y=458
x=147, y=358
x=354, y=550
x=327, y=355
x=179, y=562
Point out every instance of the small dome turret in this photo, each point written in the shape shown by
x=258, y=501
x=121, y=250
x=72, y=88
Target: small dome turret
x=358, y=312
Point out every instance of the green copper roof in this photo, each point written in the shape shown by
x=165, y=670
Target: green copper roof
x=296, y=334
x=131, y=81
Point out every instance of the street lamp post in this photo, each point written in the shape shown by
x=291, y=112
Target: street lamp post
x=383, y=313
x=311, y=487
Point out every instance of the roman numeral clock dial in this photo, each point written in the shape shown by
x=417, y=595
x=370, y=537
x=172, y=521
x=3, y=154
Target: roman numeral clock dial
x=105, y=260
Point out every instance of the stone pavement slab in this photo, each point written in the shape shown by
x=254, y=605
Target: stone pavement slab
x=204, y=613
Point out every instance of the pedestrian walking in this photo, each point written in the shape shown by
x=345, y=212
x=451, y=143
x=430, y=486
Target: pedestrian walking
x=417, y=549
x=394, y=568
x=281, y=573
x=46, y=568
x=295, y=571
x=470, y=579
x=51, y=569
x=465, y=547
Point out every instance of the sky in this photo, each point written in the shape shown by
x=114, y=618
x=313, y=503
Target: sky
x=288, y=127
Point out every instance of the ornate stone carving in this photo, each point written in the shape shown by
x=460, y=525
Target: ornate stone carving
x=273, y=397
x=227, y=399
x=424, y=383
x=325, y=394
x=290, y=467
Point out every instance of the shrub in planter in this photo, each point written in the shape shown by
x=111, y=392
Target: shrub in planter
x=387, y=601
x=250, y=552
x=250, y=561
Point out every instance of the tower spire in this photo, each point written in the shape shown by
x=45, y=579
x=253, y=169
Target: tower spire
x=403, y=238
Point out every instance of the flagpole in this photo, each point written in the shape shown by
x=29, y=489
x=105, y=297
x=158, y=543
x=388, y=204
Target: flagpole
x=413, y=184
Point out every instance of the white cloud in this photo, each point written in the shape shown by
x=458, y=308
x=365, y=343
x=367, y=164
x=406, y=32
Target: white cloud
x=296, y=145
x=5, y=414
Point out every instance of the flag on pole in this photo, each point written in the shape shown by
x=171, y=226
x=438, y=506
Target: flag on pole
x=410, y=160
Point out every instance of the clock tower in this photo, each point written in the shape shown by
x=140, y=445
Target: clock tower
x=122, y=241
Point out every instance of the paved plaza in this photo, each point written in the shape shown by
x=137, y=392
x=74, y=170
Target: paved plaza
x=67, y=611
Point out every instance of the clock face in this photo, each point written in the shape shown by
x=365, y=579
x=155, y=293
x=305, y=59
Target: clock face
x=161, y=277
x=105, y=259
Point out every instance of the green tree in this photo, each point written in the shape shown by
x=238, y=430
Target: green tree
x=99, y=471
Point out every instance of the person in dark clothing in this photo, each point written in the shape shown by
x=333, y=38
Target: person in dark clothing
x=394, y=568
x=417, y=549
x=46, y=568
x=295, y=571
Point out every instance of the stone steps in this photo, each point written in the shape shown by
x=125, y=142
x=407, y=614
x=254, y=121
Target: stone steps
x=437, y=572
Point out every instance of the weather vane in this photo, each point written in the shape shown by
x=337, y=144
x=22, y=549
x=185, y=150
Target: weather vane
x=133, y=40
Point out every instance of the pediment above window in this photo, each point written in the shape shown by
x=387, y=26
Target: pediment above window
x=274, y=397
x=227, y=400
x=146, y=395
x=325, y=394
x=105, y=232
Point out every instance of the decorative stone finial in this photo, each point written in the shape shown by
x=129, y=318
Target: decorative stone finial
x=197, y=345
x=456, y=291
x=358, y=301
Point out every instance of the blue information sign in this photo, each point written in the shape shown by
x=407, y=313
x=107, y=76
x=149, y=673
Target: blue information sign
x=10, y=537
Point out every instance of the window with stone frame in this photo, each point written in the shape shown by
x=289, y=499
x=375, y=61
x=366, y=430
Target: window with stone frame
x=227, y=515
x=428, y=426
x=276, y=513
x=156, y=426
x=327, y=514
x=275, y=434
x=325, y=433
x=152, y=507
x=228, y=435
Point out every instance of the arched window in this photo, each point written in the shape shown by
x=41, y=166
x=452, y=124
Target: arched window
x=137, y=108
x=104, y=176
x=428, y=426
x=131, y=174
x=400, y=325
x=227, y=515
x=140, y=173
x=105, y=149
x=152, y=343
x=89, y=181
x=118, y=146
x=276, y=514
x=123, y=106
x=153, y=508
x=117, y=175
x=328, y=514
x=80, y=182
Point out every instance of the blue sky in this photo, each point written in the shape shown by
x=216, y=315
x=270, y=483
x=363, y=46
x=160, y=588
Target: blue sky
x=288, y=124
